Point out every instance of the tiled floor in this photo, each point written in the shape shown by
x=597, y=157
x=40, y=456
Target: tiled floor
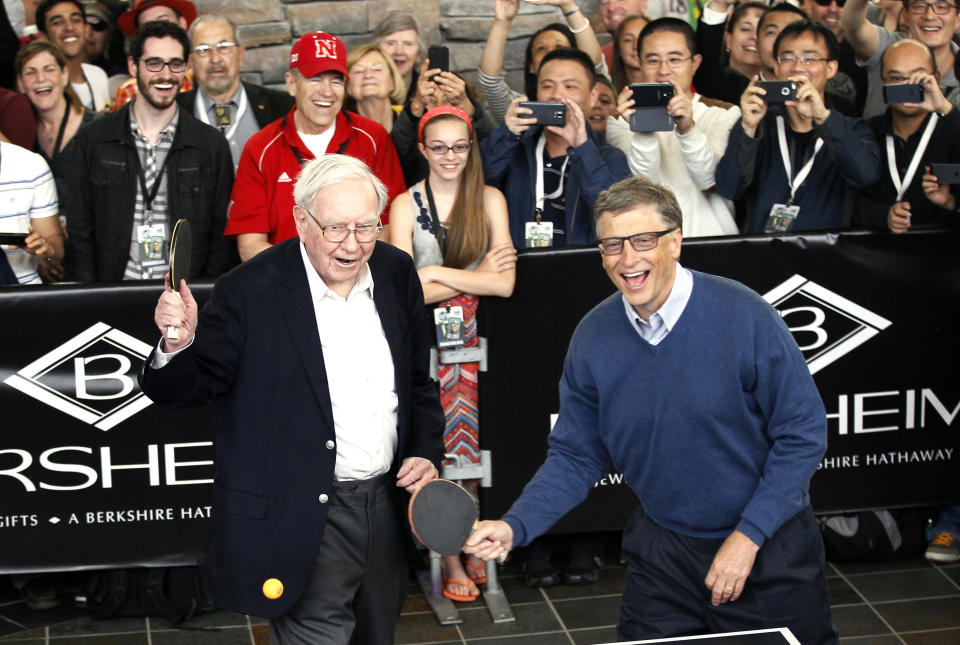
x=908, y=602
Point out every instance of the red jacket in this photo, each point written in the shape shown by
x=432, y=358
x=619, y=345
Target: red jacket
x=262, y=198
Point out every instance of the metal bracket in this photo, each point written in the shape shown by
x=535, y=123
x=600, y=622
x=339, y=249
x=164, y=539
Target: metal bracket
x=431, y=585
x=462, y=469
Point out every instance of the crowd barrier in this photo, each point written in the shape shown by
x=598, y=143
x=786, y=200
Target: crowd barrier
x=92, y=474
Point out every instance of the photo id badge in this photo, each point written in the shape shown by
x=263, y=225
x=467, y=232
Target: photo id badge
x=539, y=234
x=781, y=218
x=449, y=324
x=152, y=241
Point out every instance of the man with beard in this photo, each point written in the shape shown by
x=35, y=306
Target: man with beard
x=140, y=169
x=64, y=23
x=238, y=110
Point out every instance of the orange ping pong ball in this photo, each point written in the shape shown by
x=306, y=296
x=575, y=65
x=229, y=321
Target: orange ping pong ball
x=272, y=588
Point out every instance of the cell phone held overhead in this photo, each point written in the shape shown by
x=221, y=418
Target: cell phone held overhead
x=650, y=107
x=545, y=113
x=778, y=91
x=903, y=93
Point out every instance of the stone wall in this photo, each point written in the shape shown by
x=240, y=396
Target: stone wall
x=269, y=27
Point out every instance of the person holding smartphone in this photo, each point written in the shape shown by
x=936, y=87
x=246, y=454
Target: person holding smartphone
x=911, y=136
x=684, y=158
x=795, y=163
x=551, y=174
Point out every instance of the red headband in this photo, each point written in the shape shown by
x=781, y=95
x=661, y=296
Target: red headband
x=437, y=111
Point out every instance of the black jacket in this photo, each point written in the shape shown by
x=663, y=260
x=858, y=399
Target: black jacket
x=103, y=191
x=268, y=105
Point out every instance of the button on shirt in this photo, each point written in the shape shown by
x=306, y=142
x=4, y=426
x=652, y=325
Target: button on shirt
x=360, y=375
x=665, y=318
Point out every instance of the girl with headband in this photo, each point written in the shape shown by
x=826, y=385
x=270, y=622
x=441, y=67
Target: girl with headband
x=456, y=230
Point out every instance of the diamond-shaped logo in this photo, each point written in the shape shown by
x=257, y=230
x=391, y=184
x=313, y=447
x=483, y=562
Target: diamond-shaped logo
x=825, y=325
x=92, y=377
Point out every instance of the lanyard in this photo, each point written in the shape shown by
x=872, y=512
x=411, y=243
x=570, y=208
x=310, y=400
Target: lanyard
x=93, y=99
x=148, y=197
x=539, y=196
x=438, y=230
x=794, y=182
x=241, y=110
x=902, y=185
x=63, y=128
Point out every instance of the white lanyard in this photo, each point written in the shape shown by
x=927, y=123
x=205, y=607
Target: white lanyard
x=539, y=196
x=902, y=186
x=794, y=182
x=202, y=113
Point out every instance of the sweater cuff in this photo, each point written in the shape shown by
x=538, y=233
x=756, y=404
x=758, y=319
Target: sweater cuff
x=519, y=533
x=751, y=530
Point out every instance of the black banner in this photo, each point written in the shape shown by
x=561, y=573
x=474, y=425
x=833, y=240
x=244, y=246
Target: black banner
x=876, y=317
x=93, y=475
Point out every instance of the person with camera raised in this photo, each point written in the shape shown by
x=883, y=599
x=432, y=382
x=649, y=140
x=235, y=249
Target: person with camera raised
x=912, y=135
x=551, y=174
x=683, y=158
x=793, y=159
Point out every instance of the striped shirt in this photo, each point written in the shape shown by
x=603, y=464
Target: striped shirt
x=27, y=192
x=149, y=259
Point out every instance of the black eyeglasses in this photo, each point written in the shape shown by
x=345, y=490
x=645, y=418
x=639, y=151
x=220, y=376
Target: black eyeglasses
x=639, y=241
x=941, y=7
x=827, y=3
x=155, y=64
x=97, y=24
x=337, y=233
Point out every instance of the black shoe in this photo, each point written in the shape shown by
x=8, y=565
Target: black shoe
x=540, y=573
x=40, y=594
x=581, y=569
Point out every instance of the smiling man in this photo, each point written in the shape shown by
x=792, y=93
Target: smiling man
x=931, y=22
x=64, y=23
x=306, y=524
x=694, y=388
x=261, y=210
x=239, y=110
x=140, y=169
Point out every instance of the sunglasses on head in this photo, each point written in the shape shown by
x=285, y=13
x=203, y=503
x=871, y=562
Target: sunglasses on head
x=827, y=3
x=96, y=23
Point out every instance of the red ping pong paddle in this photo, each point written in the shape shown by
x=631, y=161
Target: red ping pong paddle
x=442, y=515
x=181, y=242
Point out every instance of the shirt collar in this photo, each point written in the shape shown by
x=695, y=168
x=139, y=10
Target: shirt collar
x=319, y=288
x=168, y=132
x=676, y=302
x=208, y=102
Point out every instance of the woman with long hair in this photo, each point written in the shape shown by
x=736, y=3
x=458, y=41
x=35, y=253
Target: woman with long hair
x=625, y=67
x=375, y=89
x=723, y=75
x=457, y=232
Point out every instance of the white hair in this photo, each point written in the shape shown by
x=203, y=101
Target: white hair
x=330, y=170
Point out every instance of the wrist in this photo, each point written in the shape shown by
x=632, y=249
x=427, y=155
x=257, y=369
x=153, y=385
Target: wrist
x=569, y=9
x=821, y=117
x=944, y=108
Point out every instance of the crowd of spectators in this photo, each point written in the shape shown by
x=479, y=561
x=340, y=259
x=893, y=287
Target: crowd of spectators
x=101, y=151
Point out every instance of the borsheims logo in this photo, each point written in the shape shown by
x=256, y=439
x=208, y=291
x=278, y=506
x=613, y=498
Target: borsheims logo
x=825, y=325
x=92, y=377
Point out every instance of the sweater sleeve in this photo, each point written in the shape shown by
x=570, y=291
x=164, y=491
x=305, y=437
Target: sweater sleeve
x=576, y=458
x=735, y=171
x=704, y=145
x=497, y=94
x=796, y=428
x=497, y=151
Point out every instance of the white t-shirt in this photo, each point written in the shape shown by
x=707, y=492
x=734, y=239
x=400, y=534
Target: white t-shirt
x=27, y=193
x=97, y=83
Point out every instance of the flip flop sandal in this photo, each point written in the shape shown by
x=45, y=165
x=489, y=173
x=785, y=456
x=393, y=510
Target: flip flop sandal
x=454, y=596
x=476, y=569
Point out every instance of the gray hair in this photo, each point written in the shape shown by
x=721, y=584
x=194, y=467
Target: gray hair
x=330, y=170
x=398, y=21
x=636, y=191
x=206, y=18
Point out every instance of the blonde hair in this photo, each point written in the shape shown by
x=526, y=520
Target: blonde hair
x=399, y=92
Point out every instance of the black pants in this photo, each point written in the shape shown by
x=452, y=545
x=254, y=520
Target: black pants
x=361, y=575
x=665, y=594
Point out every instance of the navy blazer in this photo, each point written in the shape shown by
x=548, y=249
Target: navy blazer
x=257, y=359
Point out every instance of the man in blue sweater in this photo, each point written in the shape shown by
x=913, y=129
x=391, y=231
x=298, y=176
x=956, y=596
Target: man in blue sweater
x=694, y=388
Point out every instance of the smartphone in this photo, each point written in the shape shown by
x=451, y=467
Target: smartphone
x=13, y=239
x=651, y=94
x=903, y=93
x=946, y=173
x=779, y=91
x=439, y=58
x=546, y=113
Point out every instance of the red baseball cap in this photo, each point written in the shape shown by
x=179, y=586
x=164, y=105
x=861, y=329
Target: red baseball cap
x=318, y=52
x=127, y=22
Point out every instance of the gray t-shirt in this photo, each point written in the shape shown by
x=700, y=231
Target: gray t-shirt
x=875, y=105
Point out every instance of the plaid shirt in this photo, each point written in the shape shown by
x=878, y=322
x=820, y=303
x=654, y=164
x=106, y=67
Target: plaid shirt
x=151, y=161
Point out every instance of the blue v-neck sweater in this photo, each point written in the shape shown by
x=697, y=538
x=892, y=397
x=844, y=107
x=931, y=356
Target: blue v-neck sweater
x=719, y=427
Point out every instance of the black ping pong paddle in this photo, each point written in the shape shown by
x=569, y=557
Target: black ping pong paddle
x=442, y=515
x=180, y=248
